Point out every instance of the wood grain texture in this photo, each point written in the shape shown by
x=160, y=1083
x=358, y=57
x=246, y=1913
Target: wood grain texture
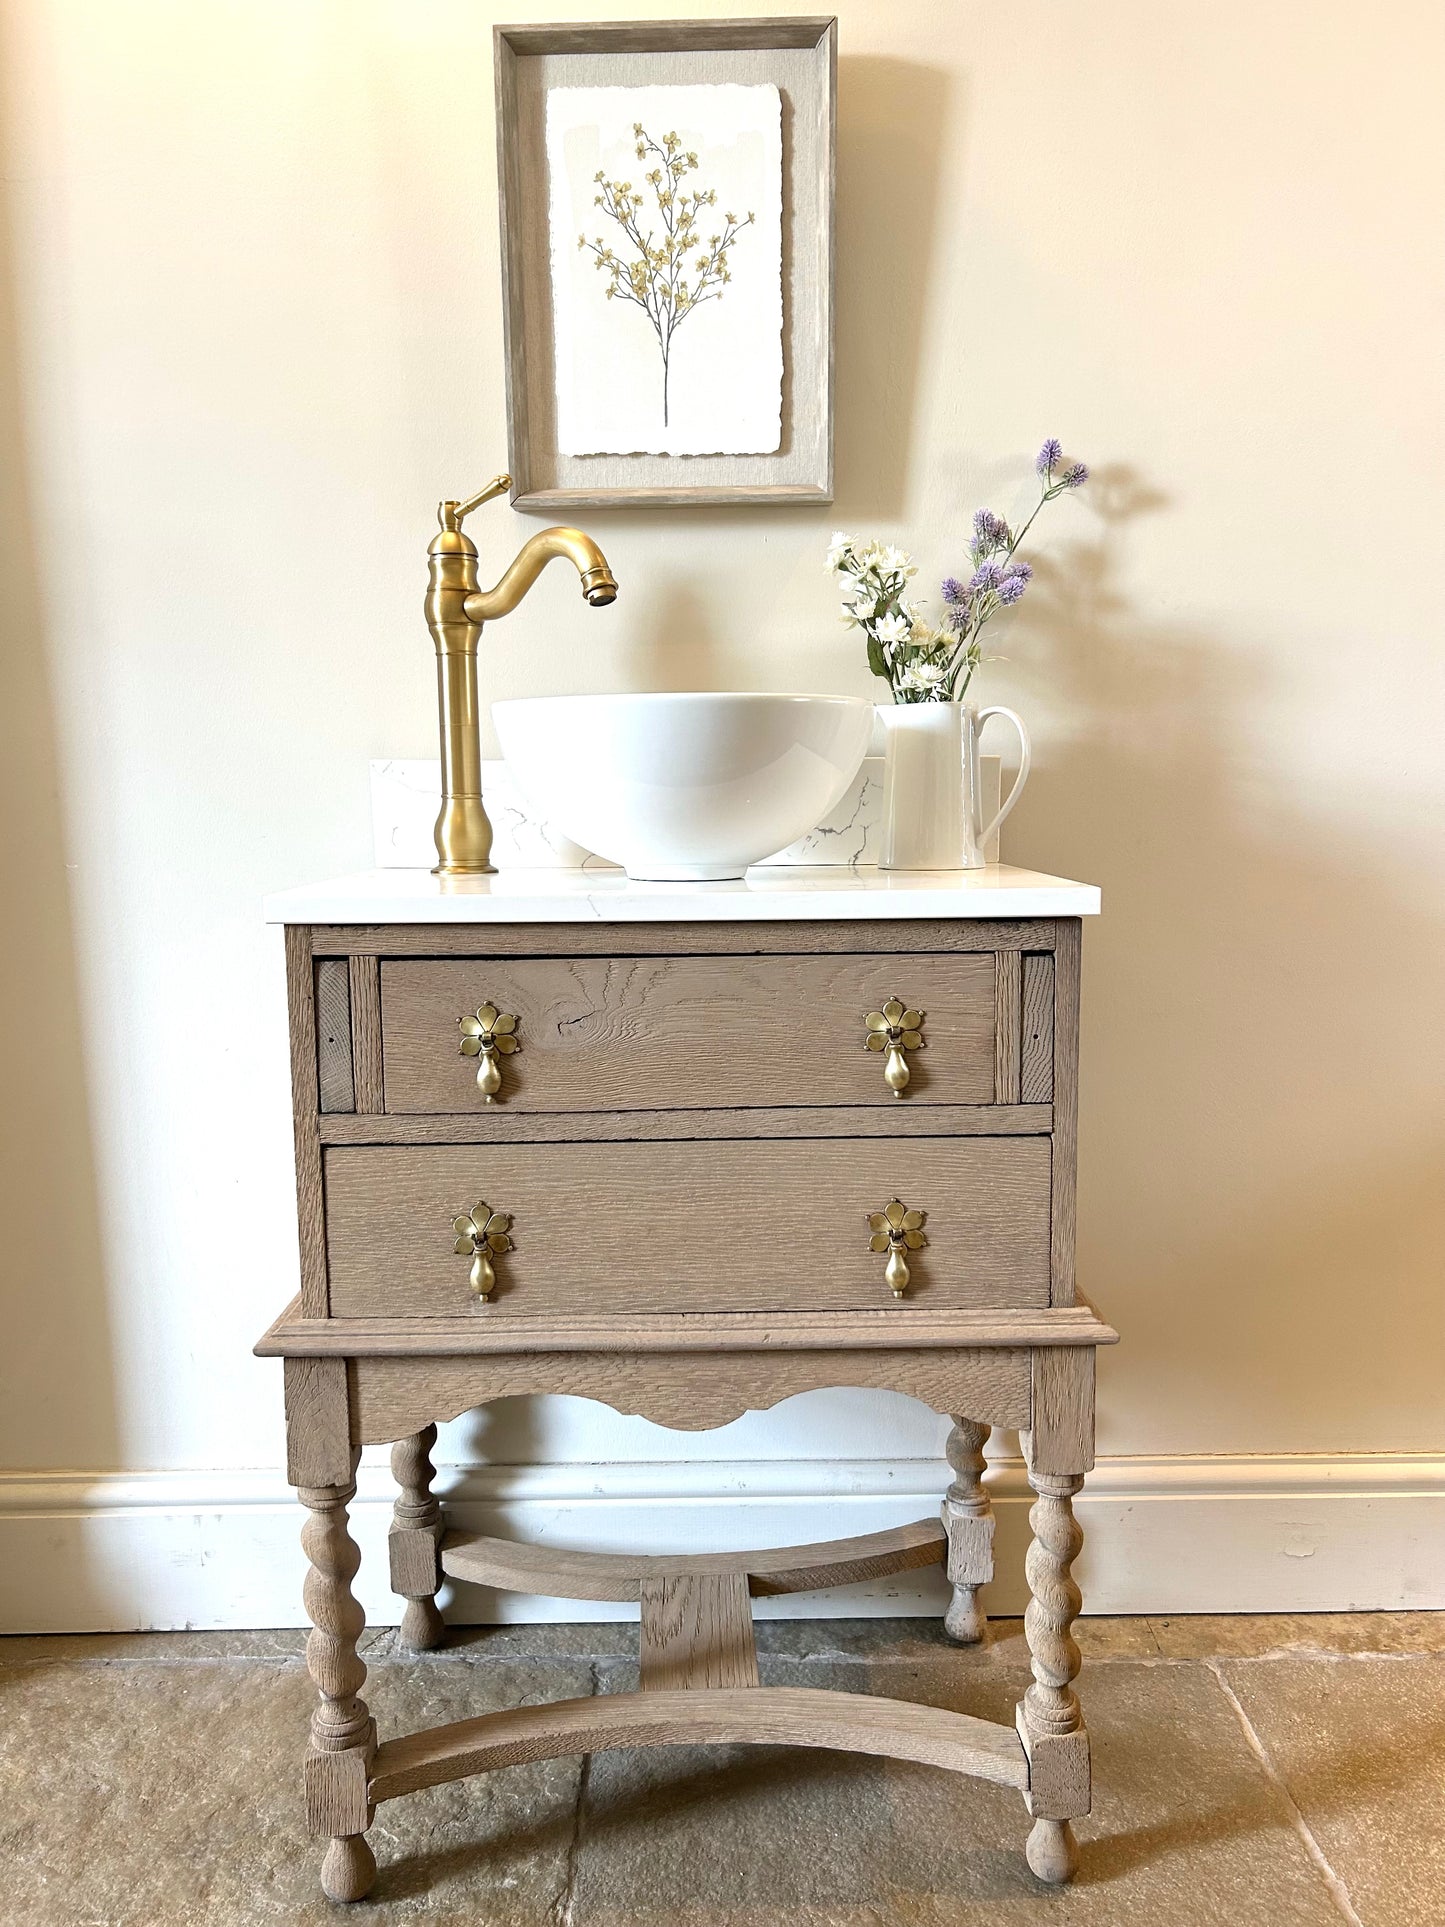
x=1066, y=1107
x=689, y=1392
x=968, y=1518
x=1036, y=1079
x=1008, y=999
x=659, y=1032
x=554, y=1572
x=305, y=1105
x=696, y=1632
x=758, y=1715
x=416, y=1530
x=733, y=1226
x=494, y=1125
x=492, y=1332
x=365, y=984
x=663, y=36
x=333, y=1035
x=774, y=938
x=528, y=63
x=1049, y=1718
x=1062, y=1438
x=318, y=1425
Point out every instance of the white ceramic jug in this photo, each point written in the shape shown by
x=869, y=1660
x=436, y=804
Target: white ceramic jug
x=931, y=809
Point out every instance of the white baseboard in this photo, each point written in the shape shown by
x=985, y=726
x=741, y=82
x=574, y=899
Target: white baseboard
x=112, y=1551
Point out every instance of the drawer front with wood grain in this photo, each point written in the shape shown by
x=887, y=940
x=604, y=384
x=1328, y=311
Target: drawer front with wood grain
x=733, y=1226
x=658, y=1033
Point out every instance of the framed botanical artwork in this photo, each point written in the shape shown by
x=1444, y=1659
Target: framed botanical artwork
x=666, y=203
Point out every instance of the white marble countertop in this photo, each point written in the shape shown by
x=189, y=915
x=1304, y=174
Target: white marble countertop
x=765, y=894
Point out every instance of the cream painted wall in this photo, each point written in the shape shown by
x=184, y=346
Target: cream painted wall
x=255, y=333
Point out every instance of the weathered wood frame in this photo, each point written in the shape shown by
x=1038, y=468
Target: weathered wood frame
x=355, y=1381
x=801, y=55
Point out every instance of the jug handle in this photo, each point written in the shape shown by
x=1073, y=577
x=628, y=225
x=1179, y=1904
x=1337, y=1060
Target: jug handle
x=1025, y=763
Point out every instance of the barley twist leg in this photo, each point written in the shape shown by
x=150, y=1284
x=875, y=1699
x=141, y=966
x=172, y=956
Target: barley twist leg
x=343, y=1733
x=1050, y=1722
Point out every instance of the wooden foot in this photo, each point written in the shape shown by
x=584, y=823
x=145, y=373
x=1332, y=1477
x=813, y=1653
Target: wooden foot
x=968, y=1520
x=415, y=1535
x=1052, y=1851
x=343, y=1733
x=1050, y=1723
x=348, y=1869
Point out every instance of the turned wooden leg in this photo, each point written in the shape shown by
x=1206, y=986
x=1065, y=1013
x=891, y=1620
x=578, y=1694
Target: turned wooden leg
x=343, y=1733
x=1049, y=1721
x=968, y=1518
x=415, y=1536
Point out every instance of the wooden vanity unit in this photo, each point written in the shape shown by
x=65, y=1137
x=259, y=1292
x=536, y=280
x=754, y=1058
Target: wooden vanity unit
x=701, y=1147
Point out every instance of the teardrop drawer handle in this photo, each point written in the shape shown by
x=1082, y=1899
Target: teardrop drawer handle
x=491, y=1034
x=482, y=1235
x=895, y=1230
x=894, y=1029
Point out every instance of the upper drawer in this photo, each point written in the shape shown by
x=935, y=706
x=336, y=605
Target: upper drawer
x=659, y=1033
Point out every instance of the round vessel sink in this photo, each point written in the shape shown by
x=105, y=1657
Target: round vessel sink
x=684, y=787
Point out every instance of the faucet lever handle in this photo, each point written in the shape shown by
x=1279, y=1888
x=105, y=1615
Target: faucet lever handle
x=450, y=515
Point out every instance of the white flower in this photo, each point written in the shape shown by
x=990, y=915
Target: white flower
x=839, y=548
x=898, y=562
x=892, y=629
x=923, y=675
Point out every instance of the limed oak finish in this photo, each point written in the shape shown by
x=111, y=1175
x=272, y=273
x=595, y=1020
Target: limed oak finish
x=686, y=1176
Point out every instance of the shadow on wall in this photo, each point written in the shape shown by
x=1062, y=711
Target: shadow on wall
x=893, y=119
x=59, y=1404
x=1256, y=1198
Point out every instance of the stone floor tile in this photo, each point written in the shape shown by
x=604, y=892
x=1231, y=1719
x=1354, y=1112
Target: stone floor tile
x=131, y=1798
x=1249, y=1635
x=151, y=1649
x=1360, y=1743
x=583, y=1639
x=894, y=1639
x=1187, y=1831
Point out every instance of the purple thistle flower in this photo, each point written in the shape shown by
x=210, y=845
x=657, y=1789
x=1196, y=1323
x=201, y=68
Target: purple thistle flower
x=1076, y=476
x=1049, y=456
x=954, y=591
x=1020, y=569
x=987, y=576
x=990, y=530
x=1011, y=589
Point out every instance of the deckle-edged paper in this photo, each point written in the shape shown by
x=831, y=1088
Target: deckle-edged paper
x=667, y=268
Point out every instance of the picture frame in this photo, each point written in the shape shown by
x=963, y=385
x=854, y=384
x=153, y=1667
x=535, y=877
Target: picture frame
x=798, y=56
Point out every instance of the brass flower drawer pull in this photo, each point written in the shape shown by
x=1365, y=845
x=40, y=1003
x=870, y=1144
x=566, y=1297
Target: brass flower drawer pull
x=894, y=1029
x=481, y=1236
x=896, y=1230
x=491, y=1034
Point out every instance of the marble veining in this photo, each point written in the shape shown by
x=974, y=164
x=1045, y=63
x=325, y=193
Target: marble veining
x=406, y=794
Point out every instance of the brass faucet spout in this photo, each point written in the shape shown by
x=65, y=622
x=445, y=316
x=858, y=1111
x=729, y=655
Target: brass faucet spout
x=599, y=586
x=456, y=607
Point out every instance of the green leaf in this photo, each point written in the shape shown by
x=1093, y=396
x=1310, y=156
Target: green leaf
x=875, y=658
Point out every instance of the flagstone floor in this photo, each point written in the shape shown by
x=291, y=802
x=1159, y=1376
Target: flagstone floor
x=1288, y=1772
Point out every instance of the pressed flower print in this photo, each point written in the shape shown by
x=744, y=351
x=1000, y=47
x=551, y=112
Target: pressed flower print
x=666, y=246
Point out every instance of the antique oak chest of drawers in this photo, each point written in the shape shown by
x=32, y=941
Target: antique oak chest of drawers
x=686, y=1150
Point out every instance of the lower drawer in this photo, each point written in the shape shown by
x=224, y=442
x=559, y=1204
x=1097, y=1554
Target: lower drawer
x=754, y=1225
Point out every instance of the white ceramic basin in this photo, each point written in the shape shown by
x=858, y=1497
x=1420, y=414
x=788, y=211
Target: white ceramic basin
x=684, y=787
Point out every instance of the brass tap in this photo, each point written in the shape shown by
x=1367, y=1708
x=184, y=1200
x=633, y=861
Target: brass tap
x=456, y=607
